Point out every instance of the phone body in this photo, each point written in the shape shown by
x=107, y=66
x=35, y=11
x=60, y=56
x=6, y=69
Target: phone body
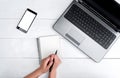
x=26, y=20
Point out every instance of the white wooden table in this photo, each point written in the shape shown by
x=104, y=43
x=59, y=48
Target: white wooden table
x=79, y=66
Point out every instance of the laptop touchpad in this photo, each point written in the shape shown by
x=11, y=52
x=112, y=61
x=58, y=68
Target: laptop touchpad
x=75, y=37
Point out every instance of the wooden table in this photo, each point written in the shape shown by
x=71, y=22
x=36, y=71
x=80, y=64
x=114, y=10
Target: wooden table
x=79, y=66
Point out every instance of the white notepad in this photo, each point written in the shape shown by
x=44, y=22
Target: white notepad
x=48, y=45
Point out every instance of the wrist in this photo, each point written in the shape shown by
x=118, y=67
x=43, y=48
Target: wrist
x=35, y=74
x=53, y=71
x=52, y=74
x=39, y=71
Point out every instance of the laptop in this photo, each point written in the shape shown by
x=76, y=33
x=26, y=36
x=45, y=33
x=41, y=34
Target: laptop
x=92, y=26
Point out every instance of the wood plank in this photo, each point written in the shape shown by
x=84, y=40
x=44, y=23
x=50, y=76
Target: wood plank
x=84, y=68
x=19, y=48
x=50, y=9
x=69, y=68
x=38, y=28
x=27, y=48
x=17, y=67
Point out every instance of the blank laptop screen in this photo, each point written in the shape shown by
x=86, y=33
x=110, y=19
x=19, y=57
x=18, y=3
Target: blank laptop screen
x=110, y=9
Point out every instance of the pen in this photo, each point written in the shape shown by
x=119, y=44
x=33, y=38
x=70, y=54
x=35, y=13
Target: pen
x=53, y=63
x=56, y=52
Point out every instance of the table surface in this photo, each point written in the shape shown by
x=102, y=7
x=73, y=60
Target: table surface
x=19, y=65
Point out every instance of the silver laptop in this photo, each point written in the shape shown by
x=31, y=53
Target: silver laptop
x=93, y=26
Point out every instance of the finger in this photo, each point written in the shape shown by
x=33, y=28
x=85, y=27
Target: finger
x=52, y=57
x=49, y=65
x=49, y=55
x=57, y=58
x=47, y=60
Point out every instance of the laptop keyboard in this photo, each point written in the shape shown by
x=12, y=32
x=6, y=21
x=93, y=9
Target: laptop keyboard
x=90, y=26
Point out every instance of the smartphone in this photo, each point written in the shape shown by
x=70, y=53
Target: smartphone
x=26, y=20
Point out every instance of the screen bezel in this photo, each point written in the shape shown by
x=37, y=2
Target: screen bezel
x=111, y=18
x=21, y=29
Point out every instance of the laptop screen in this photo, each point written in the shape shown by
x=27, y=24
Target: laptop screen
x=110, y=9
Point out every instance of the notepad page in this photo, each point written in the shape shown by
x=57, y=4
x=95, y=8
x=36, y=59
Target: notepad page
x=48, y=45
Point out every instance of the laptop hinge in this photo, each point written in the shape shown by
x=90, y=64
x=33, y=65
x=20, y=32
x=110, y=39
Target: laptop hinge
x=101, y=17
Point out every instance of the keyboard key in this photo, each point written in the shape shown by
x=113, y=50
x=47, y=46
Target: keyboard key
x=90, y=26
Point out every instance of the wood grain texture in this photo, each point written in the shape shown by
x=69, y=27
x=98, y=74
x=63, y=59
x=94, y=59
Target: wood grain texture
x=17, y=65
x=50, y=9
x=69, y=68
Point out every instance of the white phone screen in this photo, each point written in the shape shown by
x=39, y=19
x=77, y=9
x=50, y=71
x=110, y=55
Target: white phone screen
x=26, y=20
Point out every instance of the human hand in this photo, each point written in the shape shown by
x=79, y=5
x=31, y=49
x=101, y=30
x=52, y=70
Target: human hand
x=56, y=62
x=46, y=64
